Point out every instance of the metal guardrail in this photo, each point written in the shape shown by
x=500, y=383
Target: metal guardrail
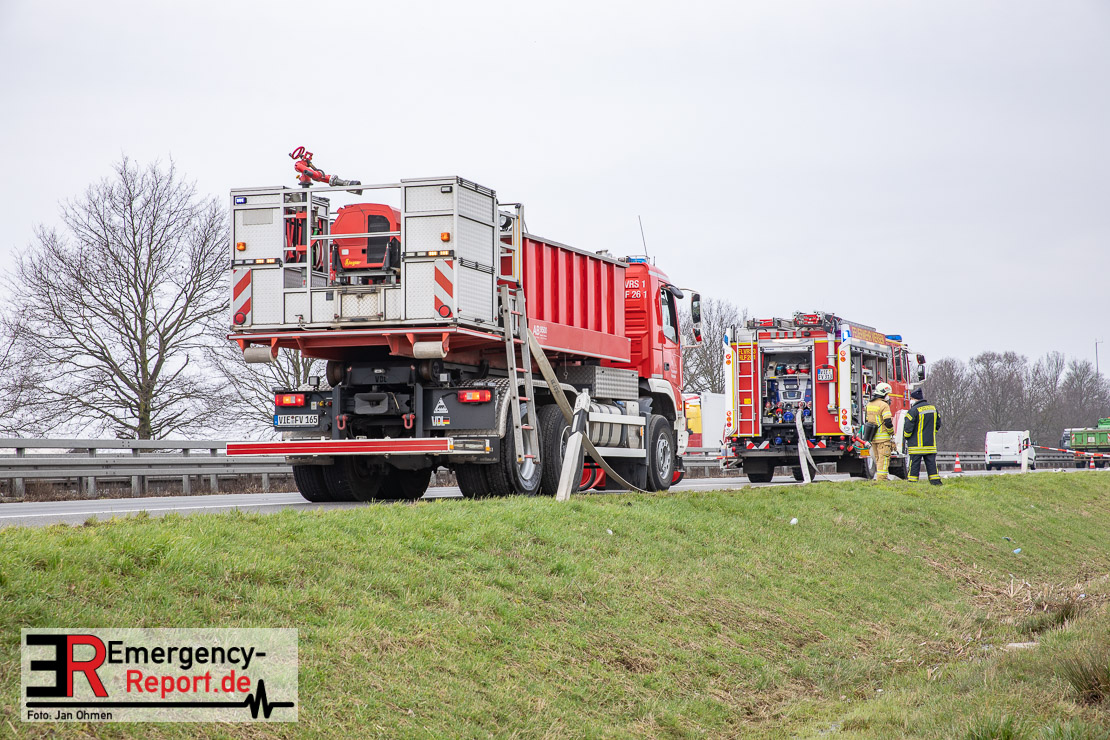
x=88, y=461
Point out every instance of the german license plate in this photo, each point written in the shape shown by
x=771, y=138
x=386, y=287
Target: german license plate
x=296, y=420
x=824, y=373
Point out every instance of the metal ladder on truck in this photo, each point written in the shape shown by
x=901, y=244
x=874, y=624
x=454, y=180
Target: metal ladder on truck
x=514, y=320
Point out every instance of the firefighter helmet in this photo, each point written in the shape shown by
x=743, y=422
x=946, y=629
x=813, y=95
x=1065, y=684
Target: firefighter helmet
x=883, y=390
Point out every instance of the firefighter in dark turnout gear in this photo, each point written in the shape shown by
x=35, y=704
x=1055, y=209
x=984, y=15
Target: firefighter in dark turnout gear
x=920, y=430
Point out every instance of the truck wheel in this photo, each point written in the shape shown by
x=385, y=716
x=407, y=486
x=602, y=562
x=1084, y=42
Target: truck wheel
x=764, y=477
x=310, y=482
x=554, y=433
x=406, y=485
x=351, y=478
x=661, y=453
x=898, y=469
x=865, y=468
x=798, y=474
x=472, y=480
x=509, y=476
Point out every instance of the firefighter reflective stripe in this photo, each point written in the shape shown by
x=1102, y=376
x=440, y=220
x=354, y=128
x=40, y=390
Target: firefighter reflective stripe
x=241, y=295
x=877, y=412
x=921, y=427
x=444, y=288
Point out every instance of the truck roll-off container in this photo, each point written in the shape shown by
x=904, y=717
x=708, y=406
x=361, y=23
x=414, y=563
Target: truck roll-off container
x=421, y=308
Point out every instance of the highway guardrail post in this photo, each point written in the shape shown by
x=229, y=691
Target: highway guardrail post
x=186, y=489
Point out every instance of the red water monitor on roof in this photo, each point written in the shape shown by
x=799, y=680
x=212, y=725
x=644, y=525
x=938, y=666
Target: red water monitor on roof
x=307, y=173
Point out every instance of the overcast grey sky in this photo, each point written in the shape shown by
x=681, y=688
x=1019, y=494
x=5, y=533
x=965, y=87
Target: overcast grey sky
x=939, y=169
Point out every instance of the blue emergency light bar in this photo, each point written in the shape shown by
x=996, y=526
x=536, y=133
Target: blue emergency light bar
x=894, y=337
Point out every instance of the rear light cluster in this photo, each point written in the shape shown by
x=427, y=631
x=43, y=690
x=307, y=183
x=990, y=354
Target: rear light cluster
x=480, y=396
x=289, y=399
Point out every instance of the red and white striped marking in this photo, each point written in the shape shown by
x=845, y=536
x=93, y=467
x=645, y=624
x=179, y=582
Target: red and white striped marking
x=444, y=288
x=241, y=295
x=1077, y=453
x=419, y=446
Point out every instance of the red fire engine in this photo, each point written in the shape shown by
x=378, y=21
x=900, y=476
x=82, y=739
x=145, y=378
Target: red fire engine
x=422, y=311
x=806, y=381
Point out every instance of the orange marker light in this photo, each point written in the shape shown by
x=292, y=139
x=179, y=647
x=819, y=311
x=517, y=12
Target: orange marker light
x=445, y=236
x=474, y=396
x=241, y=246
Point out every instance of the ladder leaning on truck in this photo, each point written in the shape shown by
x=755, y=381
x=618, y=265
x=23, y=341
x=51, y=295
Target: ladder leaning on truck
x=421, y=311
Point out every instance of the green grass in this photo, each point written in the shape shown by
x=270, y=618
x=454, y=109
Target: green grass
x=884, y=612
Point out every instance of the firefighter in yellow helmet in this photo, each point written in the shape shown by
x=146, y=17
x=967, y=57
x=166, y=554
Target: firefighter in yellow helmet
x=882, y=444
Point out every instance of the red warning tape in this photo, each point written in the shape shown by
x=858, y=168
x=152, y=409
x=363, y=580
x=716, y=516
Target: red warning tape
x=1077, y=453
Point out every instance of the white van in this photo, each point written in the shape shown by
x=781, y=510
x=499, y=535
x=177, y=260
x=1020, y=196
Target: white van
x=1004, y=449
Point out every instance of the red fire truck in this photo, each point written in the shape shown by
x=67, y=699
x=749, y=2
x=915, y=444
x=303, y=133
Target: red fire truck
x=806, y=380
x=421, y=305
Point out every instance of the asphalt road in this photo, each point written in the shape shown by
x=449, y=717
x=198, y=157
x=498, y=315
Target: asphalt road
x=39, y=514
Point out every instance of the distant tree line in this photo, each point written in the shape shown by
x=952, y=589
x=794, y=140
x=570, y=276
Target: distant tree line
x=1004, y=391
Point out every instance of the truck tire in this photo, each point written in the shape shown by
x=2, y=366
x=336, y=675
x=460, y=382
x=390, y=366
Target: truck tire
x=864, y=468
x=661, y=453
x=761, y=477
x=472, y=480
x=310, y=482
x=899, y=468
x=406, y=485
x=351, y=478
x=554, y=433
x=507, y=476
x=798, y=474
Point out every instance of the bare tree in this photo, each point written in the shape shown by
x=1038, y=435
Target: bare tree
x=1085, y=395
x=20, y=377
x=1047, y=412
x=950, y=387
x=253, y=385
x=1000, y=387
x=115, y=305
x=703, y=362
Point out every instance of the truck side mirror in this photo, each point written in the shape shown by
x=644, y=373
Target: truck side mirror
x=921, y=359
x=695, y=315
x=921, y=372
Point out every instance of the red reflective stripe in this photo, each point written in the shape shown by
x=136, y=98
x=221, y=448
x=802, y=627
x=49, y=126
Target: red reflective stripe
x=324, y=447
x=245, y=308
x=444, y=281
x=242, y=284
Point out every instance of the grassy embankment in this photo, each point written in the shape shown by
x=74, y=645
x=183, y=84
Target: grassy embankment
x=884, y=612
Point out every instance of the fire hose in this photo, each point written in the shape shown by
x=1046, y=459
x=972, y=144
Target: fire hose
x=568, y=412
